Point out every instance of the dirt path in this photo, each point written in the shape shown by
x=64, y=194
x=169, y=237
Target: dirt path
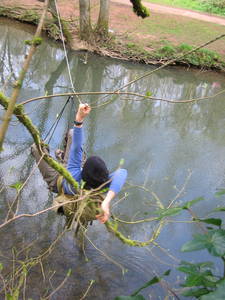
x=161, y=9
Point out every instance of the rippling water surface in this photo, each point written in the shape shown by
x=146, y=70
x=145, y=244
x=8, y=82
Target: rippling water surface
x=173, y=152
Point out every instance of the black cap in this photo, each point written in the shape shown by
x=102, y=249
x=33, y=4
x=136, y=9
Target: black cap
x=94, y=172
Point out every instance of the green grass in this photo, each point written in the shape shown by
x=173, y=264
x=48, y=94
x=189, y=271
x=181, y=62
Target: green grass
x=178, y=30
x=208, y=6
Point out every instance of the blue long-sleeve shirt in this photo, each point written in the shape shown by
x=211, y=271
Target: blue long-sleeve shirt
x=117, y=178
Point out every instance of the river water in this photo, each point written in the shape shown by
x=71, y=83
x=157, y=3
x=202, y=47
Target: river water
x=174, y=152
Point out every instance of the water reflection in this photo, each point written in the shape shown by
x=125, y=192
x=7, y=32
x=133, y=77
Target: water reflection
x=160, y=142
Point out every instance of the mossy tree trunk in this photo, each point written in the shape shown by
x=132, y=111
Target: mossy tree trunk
x=54, y=13
x=85, y=20
x=102, y=28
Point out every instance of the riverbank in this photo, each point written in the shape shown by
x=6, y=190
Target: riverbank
x=154, y=40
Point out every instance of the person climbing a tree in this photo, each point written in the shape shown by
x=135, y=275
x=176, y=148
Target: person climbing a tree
x=93, y=172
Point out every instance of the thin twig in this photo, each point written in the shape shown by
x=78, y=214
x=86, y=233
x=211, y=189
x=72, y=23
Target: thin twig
x=90, y=285
x=58, y=288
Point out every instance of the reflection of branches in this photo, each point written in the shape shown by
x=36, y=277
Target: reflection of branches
x=90, y=285
x=10, y=211
x=181, y=190
x=104, y=254
x=173, y=60
x=19, y=82
x=58, y=287
x=158, y=201
x=159, y=259
x=166, y=252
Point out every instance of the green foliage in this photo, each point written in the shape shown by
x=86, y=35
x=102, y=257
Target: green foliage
x=218, y=294
x=192, y=202
x=195, y=292
x=167, y=212
x=133, y=46
x=167, y=51
x=121, y=163
x=212, y=221
x=220, y=193
x=212, y=6
x=213, y=241
x=184, y=47
x=35, y=41
x=17, y=185
x=201, y=57
x=148, y=94
x=135, y=295
x=203, y=284
x=199, y=274
x=218, y=209
x=69, y=273
x=139, y=9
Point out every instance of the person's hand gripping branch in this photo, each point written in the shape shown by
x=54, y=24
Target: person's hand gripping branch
x=82, y=112
x=105, y=206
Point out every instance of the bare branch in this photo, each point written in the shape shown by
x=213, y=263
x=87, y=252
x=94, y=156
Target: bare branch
x=124, y=93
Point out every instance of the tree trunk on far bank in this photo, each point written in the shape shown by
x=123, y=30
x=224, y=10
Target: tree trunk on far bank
x=102, y=28
x=85, y=20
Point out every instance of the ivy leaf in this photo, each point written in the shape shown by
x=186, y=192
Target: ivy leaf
x=188, y=204
x=205, y=279
x=154, y=280
x=190, y=268
x=17, y=185
x=195, y=292
x=213, y=221
x=136, y=295
x=167, y=273
x=200, y=241
x=218, y=294
x=213, y=241
x=220, y=193
x=168, y=212
x=217, y=243
x=1, y=267
x=198, y=274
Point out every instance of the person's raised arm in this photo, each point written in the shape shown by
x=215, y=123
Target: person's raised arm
x=75, y=156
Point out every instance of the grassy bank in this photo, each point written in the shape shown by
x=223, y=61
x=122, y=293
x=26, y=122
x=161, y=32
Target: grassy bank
x=212, y=7
x=154, y=40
